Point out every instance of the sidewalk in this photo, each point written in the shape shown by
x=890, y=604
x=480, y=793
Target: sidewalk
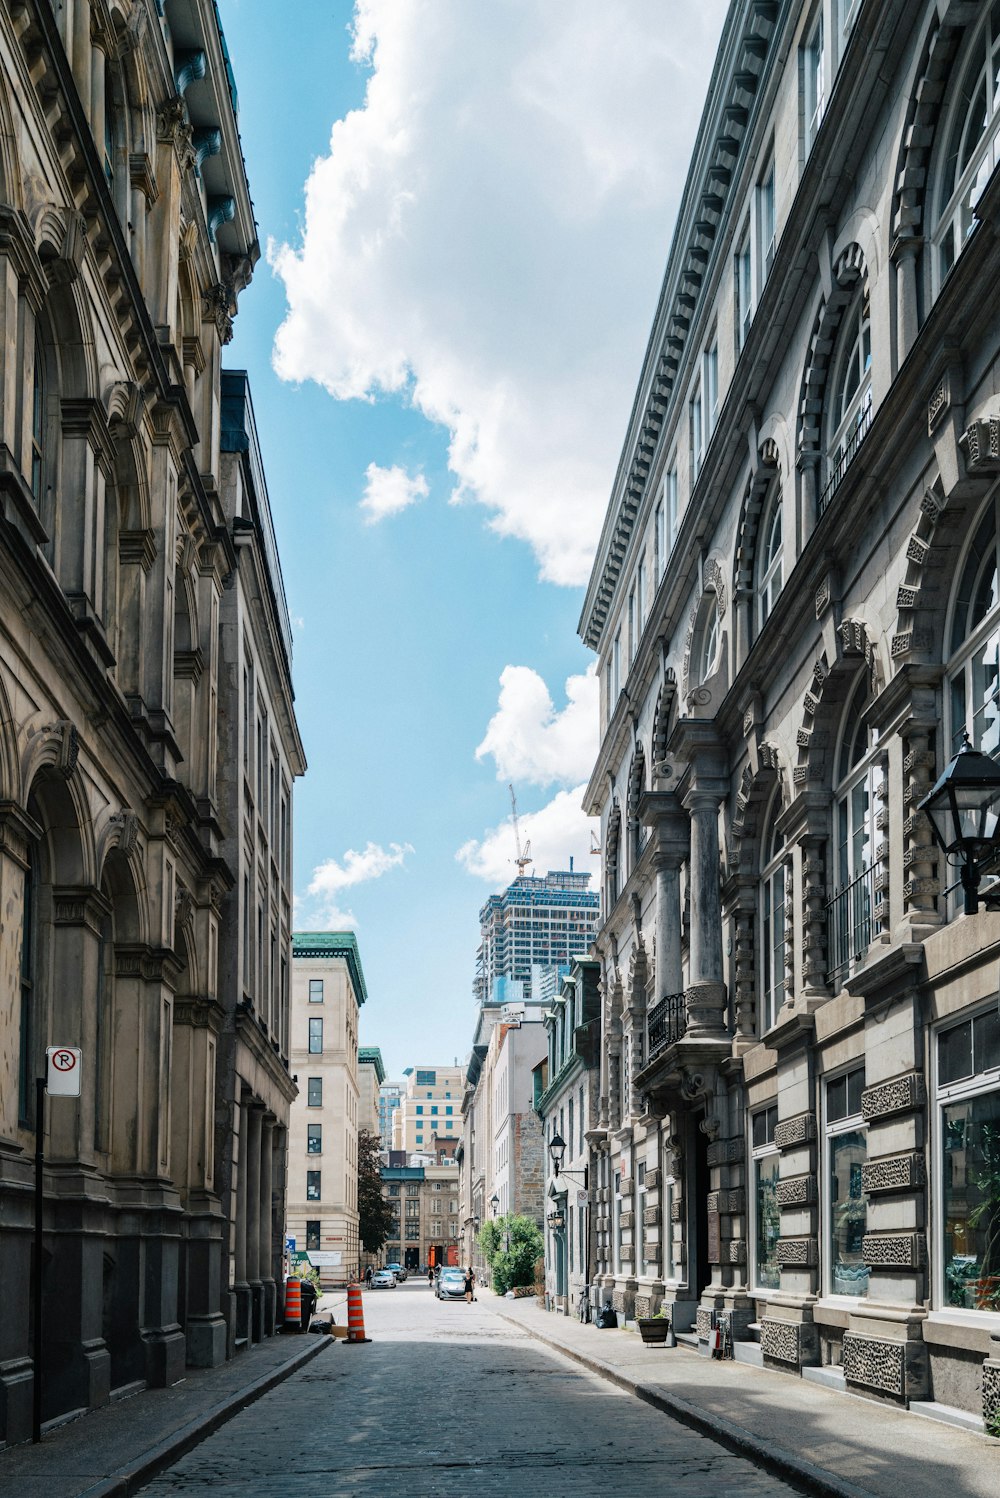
x=832, y=1443
x=112, y=1452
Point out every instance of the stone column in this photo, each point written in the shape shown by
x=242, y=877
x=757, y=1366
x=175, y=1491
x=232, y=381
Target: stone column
x=706, y=994
x=905, y=253
x=266, y=1228
x=253, y=1217
x=82, y=47
x=663, y=812
x=241, y=1287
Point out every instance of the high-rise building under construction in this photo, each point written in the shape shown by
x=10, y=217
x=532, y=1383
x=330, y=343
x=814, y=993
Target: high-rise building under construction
x=534, y=927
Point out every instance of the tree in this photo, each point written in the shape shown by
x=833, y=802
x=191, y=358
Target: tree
x=375, y=1214
x=511, y=1245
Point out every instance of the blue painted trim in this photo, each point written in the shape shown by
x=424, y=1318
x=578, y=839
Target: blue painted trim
x=189, y=67
x=206, y=142
x=221, y=210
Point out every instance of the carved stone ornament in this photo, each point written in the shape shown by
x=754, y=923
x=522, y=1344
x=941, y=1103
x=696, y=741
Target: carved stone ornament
x=792, y=1132
x=219, y=302
x=894, y=1173
x=875, y=1364
x=894, y=1250
x=796, y=1253
x=902, y=1095
x=125, y=826
x=780, y=1340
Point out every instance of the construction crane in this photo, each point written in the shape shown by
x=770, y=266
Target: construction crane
x=523, y=854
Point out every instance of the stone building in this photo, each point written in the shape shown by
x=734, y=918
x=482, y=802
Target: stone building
x=328, y=989
x=795, y=610
x=371, y=1075
x=430, y=1104
x=425, y=1204
x=567, y=1102
x=126, y=236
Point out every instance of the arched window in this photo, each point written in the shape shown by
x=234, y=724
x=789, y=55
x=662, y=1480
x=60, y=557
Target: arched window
x=770, y=573
x=974, y=663
x=849, y=914
x=772, y=920
x=969, y=143
x=849, y=400
x=707, y=640
x=613, y=856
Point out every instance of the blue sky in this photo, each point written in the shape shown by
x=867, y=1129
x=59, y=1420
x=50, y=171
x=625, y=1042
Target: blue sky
x=465, y=224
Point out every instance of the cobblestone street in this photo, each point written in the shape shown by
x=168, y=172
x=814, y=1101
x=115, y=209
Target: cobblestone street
x=450, y=1399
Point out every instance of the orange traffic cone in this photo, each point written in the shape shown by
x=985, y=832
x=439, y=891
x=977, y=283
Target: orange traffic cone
x=293, y=1304
x=355, y=1314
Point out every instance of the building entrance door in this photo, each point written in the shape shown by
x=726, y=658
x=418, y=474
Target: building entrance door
x=702, y=1183
x=411, y=1258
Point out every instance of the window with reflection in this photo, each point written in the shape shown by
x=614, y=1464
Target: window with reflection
x=772, y=921
x=849, y=401
x=974, y=667
x=766, y=1271
x=847, y=1205
x=968, y=142
x=770, y=570
x=708, y=638
x=849, y=913
x=968, y=1099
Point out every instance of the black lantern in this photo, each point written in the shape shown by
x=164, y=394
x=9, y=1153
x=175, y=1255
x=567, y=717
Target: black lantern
x=494, y=1203
x=963, y=812
x=557, y=1148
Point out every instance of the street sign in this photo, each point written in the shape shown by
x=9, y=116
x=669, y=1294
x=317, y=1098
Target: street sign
x=63, y=1074
x=290, y=1245
x=582, y=1198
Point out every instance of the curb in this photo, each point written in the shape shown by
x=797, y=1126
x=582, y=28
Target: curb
x=784, y=1464
x=127, y=1480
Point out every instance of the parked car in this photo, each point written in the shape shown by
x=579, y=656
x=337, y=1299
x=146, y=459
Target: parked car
x=397, y=1270
x=450, y=1285
x=383, y=1279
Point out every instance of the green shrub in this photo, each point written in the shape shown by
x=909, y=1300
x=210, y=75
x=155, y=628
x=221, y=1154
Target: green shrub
x=511, y=1245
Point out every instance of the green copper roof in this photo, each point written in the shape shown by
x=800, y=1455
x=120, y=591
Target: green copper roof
x=370, y=1055
x=327, y=944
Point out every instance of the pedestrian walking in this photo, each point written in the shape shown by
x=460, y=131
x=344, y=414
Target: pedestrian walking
x=368, y=1277
x=470, y=1285
x=430, y=1275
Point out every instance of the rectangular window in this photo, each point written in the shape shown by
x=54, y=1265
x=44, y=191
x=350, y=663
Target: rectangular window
x=712, y=387
x=968, y=1090
x=814, y=82
x=314, y=1092
x=426, y=1079
x=315, y=990
x=616, y=665
x=312, y=1234
x=631, y=625
x=640, y=593
x=744, y=289
x=767, y=1213
x=659, y=541
x=697, y=434
x=766, y=224
x=314, y=1139
x=847, y=1205
x=315, y=1037
x=313, y=1191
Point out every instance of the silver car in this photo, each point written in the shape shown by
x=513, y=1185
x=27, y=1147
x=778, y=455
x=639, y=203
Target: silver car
x=450, y=1285
x=383, y=1279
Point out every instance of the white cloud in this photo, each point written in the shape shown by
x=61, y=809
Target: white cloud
x=557, y=832
x=485, y=238
x=530, y=741
x=320, y=905
x=389, y=490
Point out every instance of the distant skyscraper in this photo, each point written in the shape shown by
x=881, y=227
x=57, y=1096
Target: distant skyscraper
x=534, y=926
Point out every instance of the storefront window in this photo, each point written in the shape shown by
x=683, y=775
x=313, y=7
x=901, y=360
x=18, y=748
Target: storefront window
x=847, y=1150
x=969, y=1092
x=767, y=1213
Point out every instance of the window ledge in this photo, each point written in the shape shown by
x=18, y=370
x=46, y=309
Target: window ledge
x=965, y=1329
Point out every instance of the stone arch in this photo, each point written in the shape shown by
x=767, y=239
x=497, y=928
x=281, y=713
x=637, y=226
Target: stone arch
x=713, y=596
x=848, y=269
x=10, y=776
x=663, y=719
x=831, y=680
x=761, y=776
x=636, y=786
x=768, y=467
x=612, y=855
x=946, y=28
x=11, y=186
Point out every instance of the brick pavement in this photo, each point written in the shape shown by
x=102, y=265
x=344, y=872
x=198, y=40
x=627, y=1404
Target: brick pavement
x=840, y=1442
x=517, y=1418
x=108, y=1453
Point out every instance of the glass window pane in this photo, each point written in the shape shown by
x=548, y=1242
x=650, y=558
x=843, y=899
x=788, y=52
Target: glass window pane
x=848, y=1214
x=767, y=1272
x=971, y=1163
x=855, y=1087
x=955, y=1053
x=315, y=1093
x=836, y=1099
x=986, y=1041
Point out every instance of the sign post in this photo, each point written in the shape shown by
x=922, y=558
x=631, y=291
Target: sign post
x=62, y=1079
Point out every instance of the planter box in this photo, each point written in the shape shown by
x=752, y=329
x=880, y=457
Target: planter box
x=653, y=1330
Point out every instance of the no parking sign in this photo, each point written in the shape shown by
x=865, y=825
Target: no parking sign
x=64, y=1069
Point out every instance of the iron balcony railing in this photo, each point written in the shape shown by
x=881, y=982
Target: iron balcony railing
x=666, y=1023
x=849, y=924
x=846, y=458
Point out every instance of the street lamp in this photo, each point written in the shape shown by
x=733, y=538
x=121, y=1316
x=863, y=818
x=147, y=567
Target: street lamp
x=962, y=810
x=495, y=1203
x=557, y=1149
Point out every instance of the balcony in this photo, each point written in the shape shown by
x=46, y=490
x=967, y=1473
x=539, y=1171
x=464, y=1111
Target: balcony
x=849, y=925
x=666, y=1022
x=846, y=459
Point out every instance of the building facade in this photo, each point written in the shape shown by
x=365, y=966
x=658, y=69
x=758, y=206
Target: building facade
x=328, y=989
x=426, y=1226
x=794, y=608
x=530, y=931
x=126, y=237
x=430, y=1105
x=567, y=1102
x=371, y=1075
x=389, y=1095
